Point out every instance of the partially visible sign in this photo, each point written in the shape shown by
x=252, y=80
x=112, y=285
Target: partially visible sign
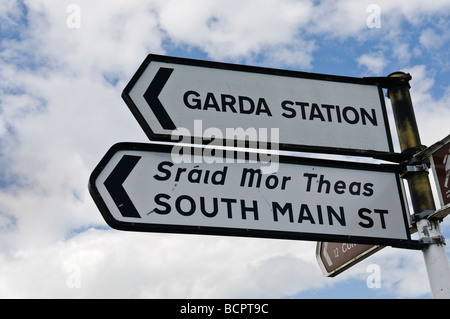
x=151, y=187
x=440, y=162
x=334, y=258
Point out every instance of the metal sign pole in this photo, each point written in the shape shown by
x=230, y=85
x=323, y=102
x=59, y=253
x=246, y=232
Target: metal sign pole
x=435, y=256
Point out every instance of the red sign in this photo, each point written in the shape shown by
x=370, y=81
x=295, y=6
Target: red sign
x=441, y=167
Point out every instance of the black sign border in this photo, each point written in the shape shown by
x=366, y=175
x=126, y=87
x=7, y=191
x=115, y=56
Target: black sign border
x=389, y=156
x=223, y=231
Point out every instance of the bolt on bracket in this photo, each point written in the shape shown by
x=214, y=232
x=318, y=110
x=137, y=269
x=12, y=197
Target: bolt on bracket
x=433, y=240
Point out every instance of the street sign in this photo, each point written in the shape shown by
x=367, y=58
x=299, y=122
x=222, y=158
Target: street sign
x=440, y=163
x=200, y=101
x=151, y=187
x=334, y=258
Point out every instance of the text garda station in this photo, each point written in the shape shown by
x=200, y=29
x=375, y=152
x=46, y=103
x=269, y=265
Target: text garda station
x=291, y=109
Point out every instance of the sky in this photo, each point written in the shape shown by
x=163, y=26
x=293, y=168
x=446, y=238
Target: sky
x=63, y=67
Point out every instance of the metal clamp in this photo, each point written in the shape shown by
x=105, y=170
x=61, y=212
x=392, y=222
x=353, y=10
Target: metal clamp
x=433, y=240
x=428, y=214
x=431, y=214
x=409, y=169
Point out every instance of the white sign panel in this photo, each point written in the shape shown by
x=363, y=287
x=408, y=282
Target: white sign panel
x=297, y=110
x=146, y=187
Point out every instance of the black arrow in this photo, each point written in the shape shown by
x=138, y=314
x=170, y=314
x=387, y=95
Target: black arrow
x=151, y=96
x=114, y=185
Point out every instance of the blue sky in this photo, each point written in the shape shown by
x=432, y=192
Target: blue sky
x=63, y=66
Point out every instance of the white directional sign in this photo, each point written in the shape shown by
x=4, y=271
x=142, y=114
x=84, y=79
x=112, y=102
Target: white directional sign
x=151, y=187
x=295, y=110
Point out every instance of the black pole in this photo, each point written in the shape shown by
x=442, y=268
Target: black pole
x=408, y=135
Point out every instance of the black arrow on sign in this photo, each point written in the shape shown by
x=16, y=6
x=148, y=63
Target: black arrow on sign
x=151, y=96
x=114, y=186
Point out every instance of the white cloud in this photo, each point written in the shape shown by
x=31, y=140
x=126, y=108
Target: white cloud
x=402, y=272
x=285, y=275
x=339, y=18
x=10, y=14
x=354, y=19
x=108, y=264
x=402, y=53
x=298, y=54
x=374, y=62
x=430, y=39
x=236, y=30
x=432, y=114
